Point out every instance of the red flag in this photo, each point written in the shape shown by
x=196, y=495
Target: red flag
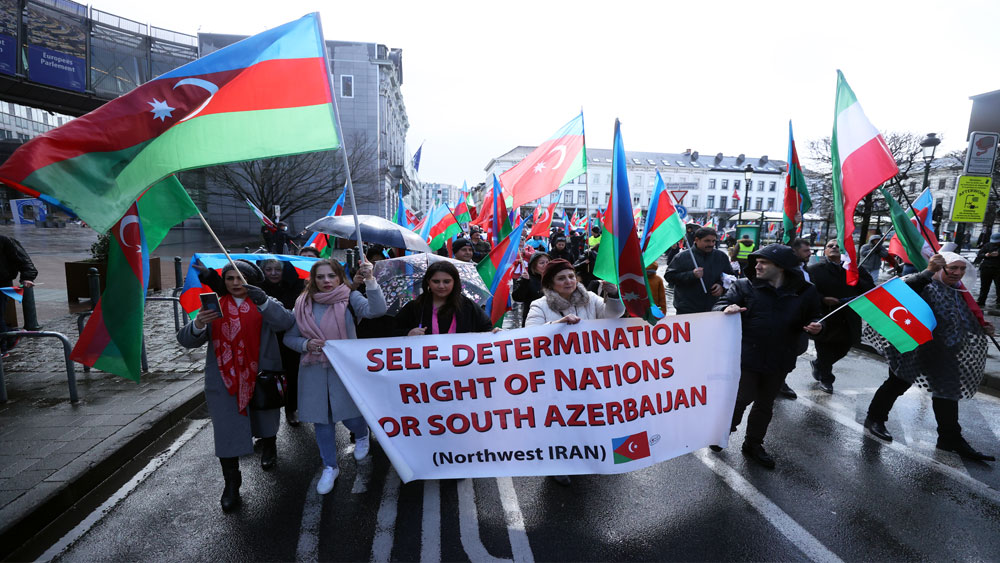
x=554, y=163
x=543, y=220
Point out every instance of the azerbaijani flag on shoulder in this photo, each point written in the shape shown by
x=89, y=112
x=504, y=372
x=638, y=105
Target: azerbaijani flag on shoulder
x=861, y=162
x=797, y=200
x=619, y=259
x=555, y=162
x=264, y=219
x=897, y=313
x=112, y=339
x=266, y=96
x=663, y=225
x=321, y=241
x=497, y=271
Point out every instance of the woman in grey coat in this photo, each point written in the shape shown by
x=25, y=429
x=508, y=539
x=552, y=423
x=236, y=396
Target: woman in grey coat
x=329, y=310
x=241, y=342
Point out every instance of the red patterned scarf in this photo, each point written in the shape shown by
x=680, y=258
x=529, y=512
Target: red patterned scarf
x=236, y=339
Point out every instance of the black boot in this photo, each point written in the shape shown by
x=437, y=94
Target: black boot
x=231, y=494
x=268, y=453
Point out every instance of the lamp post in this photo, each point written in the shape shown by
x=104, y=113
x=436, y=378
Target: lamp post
x=748, y=179
x=928, y=146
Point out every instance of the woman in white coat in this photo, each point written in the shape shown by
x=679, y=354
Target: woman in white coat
x=329, y=310
x=566, y=301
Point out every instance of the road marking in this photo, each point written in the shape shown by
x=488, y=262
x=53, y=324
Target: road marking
x=362, y=475
x=60, y=547
x=468, y=519
x=385, y=524
x=430, y=525
x=312, y=512
x=958, y=475
x=806, y=542
x=519, y=545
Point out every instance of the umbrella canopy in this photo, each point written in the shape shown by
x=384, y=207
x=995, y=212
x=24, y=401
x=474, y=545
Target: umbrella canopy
x=373, y=229
x=400, y=279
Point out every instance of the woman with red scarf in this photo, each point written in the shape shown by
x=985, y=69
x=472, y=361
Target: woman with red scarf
x=329, y=310
x=241, y=342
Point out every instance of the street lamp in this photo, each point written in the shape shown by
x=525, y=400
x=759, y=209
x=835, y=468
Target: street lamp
x=748, y=177
x=928, y=145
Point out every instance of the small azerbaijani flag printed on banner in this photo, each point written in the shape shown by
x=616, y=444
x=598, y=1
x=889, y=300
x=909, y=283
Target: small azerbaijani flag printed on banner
x=630, y=448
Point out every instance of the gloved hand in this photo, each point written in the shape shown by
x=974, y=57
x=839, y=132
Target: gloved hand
x=256, y=295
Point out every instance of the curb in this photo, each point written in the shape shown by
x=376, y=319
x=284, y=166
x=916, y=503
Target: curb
x=31, y=513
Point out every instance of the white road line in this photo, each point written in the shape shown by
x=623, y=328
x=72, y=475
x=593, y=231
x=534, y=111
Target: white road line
x=94, y=517
x=809, y=545
x=958, y=475
x=362, y=475
x=430, y=524
x=385, y=525
x=312, y=513
x=515, y=521
x=468, y=519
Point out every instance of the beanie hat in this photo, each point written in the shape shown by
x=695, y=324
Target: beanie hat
x=782, y=256
x=553, y=268
x=459, y=244
x=250, y=271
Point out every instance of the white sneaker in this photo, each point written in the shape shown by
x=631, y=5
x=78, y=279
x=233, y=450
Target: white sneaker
x=326, y=482
x=361, y=447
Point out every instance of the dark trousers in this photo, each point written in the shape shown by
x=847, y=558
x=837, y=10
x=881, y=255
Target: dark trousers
x=827, y=354
x=988, y=278
x=760, y=389
x=290, y=365
x=945, y=410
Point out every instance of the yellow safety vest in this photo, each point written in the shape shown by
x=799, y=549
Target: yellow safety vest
x=744, y=251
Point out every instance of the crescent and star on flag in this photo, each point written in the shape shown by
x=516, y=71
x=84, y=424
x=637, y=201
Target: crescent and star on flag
x=906, y=321
x=562, y=156
x=161, y=109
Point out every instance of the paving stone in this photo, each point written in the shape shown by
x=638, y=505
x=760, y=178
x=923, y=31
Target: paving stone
x=25, y=480
x=18, y=465
x=55, y=461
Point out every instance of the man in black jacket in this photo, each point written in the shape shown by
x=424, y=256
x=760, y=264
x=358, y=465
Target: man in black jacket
x=561, y=250
x=843, y=330
x=696, y=274
x=14, y=261
x=776, y=307
x=988, y=260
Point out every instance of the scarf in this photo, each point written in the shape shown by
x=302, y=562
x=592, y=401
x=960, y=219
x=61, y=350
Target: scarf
x=332, y=326
x=560, y=304
x=236, y=340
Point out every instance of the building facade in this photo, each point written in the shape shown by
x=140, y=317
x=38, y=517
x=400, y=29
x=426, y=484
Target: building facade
x=425, y=196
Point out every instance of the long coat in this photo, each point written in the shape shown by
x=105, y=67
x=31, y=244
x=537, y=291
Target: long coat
x=234, y=432
x=322, y=396
x=689, y=297
x=595, y=307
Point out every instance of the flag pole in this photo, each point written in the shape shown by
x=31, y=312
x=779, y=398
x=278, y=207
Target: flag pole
x=694, y=260
x=223, y=248
x=831, y=313
x=586, y=178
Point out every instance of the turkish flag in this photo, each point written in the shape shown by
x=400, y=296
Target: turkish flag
x=549, y=166
x=542, y=219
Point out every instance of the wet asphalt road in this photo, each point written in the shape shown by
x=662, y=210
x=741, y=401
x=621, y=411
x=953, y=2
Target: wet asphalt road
x=835, y=494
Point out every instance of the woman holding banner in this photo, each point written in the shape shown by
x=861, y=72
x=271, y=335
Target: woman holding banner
x=566, y=301
x=241, y=341
x=441, y=308
x=329, y=310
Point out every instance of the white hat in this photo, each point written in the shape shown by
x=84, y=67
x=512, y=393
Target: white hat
x=951, y=258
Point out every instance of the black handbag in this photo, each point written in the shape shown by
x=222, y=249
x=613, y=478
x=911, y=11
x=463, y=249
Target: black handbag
x=268, y=391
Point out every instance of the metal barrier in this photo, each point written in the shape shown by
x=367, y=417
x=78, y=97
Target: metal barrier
x=28, y=310
x=70, y=372
x=177, y=303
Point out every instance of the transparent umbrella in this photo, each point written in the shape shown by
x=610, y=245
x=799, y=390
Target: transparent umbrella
x=400, y=279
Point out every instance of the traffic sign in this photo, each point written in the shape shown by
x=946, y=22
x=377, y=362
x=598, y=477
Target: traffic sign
x=681, y=211
x=981, y=154
x=678, y=196
x=971, y=196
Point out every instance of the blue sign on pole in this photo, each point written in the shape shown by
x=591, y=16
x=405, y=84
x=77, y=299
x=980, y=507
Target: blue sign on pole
x=54, y=68
x=682, y=211
x=8, y=54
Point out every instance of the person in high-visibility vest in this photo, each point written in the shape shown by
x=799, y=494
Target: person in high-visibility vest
x=745, y=246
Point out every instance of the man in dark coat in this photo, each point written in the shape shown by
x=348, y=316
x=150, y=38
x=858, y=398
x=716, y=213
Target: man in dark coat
x=843, y=330
x=14, y=261
x=561, y=250
x=988, y=260
x=480, y=248
x=776, y=307
x=696, y=274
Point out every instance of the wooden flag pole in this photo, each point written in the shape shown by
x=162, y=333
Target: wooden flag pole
x=223, y=248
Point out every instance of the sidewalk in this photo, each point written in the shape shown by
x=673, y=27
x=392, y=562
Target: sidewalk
x=52, y=451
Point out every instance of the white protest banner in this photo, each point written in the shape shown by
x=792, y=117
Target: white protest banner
x=601, y=396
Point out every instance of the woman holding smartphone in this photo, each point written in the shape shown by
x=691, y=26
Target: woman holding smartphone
x=329, y=310
x=241, y=342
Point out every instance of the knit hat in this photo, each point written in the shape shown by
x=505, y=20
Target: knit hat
x=459, y=244
x=553, y=268
x=250, y=271
x=782, y=256
x=534, y=258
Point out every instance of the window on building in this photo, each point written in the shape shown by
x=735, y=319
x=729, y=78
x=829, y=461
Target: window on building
x=725, y=184
x=722, y=201
x=682, y=179
x=346, y=86
x=758, y=203
x=736, y=203
x=736, y=184
x=568, y=198
x=581, y=196
x=913, y=187
x=694, y=201
x=638, y=180
x=635, y=201
x=652, y=181
x=772, y=186
x=711, y=201
x=941, y=183
x=770, y=203
x=711, y=183
x=593, y=199
x=760, y=186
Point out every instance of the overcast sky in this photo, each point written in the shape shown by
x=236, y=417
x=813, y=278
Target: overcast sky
x=482, y=77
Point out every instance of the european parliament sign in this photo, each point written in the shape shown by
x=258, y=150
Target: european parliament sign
x=47, y=66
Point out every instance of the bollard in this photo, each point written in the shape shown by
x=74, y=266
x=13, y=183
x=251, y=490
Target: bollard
x=94, y=279
x=143, y=361
x=246, y=250
x=28, y=310
x=178, y=274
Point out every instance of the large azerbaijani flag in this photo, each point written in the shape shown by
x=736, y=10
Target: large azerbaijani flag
x=861, y=162
x=266, y=96
x=497, y=271
x=439, y=226
x=321, y=241
x=112, y=339
x=663, y=225
x=797, y=200
x=193, y=287
x=897, y=313
x=555, y=162
x=619, y=259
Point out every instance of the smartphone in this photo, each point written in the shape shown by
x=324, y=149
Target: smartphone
x=210, y=302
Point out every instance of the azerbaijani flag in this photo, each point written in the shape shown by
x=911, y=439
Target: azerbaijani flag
x=497, y=272
x=861, y=162
x=15, y=292
x=542, y=220
x=439, y=226
x=554, y=163
x=797, y=200
x=619, y=259
x=112, y=339
x=897, y=313
x=266, y=96
x=462, y=213
x=499, y=220
x=189, y=297
x=321, y=241
x=908, y=242
x=264, y=219
x=403, y=217
x=663, y=225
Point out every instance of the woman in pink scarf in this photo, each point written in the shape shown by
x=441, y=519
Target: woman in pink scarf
x=329, y=310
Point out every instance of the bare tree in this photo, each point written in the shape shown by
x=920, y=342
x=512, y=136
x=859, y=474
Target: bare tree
x=299, y=182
